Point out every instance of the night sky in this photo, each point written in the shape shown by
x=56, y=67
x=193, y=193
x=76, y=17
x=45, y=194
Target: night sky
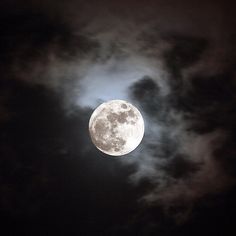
x=174, y=60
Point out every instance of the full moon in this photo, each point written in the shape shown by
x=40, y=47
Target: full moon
x=116, y=127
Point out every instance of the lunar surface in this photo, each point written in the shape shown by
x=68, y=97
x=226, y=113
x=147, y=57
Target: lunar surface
x=116, y=127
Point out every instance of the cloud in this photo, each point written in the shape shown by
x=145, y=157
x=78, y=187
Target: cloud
x=178, y=155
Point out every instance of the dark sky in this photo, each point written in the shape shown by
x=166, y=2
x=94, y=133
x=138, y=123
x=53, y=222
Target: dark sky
x=174, y=60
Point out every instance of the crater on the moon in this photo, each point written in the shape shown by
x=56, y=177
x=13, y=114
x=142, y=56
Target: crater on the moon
x=104, y=130
x=116, y=127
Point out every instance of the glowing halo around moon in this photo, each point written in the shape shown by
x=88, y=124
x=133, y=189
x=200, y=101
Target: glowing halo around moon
x=116, y=127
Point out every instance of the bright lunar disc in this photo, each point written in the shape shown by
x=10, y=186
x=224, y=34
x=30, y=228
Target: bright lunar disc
x=116, y=127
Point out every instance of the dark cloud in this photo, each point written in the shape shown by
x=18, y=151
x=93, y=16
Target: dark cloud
x=195, y=121
x=208, y=101
x=147, y=92
x=181, y=167
x=185, y=51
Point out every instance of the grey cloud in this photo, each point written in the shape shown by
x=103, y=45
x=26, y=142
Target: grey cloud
x=190, y=123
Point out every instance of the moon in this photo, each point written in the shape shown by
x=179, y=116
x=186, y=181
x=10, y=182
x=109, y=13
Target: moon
x=116, y=127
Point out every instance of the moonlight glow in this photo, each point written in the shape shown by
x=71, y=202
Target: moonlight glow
x=116, y=127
